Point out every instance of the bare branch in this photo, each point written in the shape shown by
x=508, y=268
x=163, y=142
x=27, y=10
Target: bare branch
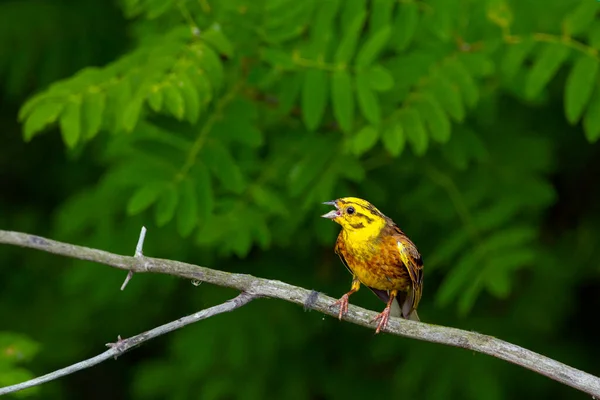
x=124, y=345
x=313, y=300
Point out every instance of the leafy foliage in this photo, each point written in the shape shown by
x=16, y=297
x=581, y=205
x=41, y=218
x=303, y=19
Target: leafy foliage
x=222, y=126
x=16, y=349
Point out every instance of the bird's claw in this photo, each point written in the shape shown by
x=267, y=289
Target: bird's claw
x=343, y=303
x=383, y=319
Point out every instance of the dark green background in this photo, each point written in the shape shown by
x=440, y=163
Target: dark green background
x=472, y=124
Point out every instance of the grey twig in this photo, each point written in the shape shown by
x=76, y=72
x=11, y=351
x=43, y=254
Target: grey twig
x=122, y=346
x=276, y=289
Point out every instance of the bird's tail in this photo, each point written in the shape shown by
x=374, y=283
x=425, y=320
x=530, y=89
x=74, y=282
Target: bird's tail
x=401, y=307
x=414, y=316
x=396, y=311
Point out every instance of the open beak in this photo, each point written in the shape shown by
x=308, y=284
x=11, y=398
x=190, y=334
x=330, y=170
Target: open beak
x=333, y=214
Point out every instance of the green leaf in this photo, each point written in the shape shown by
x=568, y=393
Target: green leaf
x=405, y=24
x=131, y=115
x=92, y=111
x=70, y=123
x=261, y=232
x=373, y=46
x=269, y=200
x=239, y=130
x=497, y=274
x=41, y=116
x=174, y=101
x=498, y=282
x=455, y=152
x=290, y=89
x=308, y=169
x=591, y=121
x=594, y=35
x=450, y=247
x=321, y=29
x=204, y=189
x=350, y=9
x=515, y=56
x=314, y=97
x=31, y=104
x=278, y=58
x=351, y=168
x=364, y=140
x=210, y=62
x=468, y=296
x=393, y=139
x=476, y=148
x=155, y=98
x=218, y=158
x=118, y=99
x=144, y=197
x=457, y=73
x=381, y=14
x=492, y=217
x=500, y=13
x=367, y=99
x=414, y=130
x=213, y=229
x=187, y=212
x=545, y=67
x=190, y=97
x=240, y=242
x=578, y=20
x=16, y=348
x=579, y=87
x=215, y=37
x=347, y=46
x=436, y=119
x=203, y=86
x=515, y=235
x=461, y=272
x=477, y=64
x=238, y=124
x=156, y=8
x=380, y=79
x=449, y=97
x=166, y=206
x=342, y=98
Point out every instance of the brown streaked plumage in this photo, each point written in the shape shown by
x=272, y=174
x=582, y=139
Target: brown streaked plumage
x=380, y=256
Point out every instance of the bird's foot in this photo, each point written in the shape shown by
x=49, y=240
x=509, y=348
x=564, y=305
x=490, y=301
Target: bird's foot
x=383, y=319
x=343, y=303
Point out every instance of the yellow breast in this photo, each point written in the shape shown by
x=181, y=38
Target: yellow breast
x=375, y=262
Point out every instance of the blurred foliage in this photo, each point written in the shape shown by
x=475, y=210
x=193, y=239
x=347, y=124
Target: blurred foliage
x=221, y=126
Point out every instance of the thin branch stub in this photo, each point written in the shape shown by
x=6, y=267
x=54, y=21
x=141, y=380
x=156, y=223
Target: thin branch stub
x=139, y=253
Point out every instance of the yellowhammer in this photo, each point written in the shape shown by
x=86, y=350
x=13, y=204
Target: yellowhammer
x=380, y=256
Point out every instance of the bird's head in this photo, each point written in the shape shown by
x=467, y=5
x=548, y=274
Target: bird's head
x=356, y=215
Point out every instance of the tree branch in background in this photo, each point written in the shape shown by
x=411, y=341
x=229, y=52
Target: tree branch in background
x=252, y=287
x=123, y=346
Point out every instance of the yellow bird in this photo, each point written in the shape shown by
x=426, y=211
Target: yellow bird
x=380, y=256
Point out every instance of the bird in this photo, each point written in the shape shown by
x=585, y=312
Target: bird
x=379, y=256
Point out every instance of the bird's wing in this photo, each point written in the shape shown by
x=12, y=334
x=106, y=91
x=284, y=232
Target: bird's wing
x=411, y=258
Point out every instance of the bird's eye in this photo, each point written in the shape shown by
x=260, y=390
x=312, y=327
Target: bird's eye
x=350, y=210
